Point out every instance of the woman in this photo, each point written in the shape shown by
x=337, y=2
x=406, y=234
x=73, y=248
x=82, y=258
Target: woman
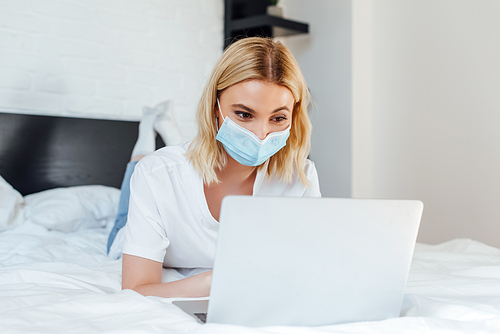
x=253, y=139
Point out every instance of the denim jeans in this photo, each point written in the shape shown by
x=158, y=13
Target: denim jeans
x=121, y=216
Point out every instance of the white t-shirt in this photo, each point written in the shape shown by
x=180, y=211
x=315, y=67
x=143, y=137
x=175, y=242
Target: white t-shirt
x=169, y=220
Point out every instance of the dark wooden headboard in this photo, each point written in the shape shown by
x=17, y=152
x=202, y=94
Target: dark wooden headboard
x=44, y=152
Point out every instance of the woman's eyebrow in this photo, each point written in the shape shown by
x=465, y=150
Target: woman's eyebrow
x=242, y=106
x=250, y=110
x=281, y=108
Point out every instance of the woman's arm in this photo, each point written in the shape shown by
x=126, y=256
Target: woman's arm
x=144, y=276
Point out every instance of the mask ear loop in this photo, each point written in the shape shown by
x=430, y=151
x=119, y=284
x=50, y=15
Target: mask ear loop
x=217, y=117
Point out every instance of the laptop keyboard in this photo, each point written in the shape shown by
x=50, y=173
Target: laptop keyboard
x=201, y=316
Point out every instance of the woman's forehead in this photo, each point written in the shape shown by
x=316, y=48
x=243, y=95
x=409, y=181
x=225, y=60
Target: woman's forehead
x=258, y=92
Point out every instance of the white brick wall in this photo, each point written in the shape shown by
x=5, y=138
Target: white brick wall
x=107, y=58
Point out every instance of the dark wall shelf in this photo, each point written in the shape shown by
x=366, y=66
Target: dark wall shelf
x=248, y=18
x=280, y=26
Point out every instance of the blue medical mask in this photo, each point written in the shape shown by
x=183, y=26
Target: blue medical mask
x=245, y=147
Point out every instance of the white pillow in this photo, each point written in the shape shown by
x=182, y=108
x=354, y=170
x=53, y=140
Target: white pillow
x=70, y=209
x=11, y=206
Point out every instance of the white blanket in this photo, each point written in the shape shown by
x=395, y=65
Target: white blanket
x=57, y=282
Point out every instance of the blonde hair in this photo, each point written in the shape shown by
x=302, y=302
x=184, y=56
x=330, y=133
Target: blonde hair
x=254, y=58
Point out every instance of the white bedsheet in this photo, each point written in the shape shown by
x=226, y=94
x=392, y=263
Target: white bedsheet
x=56, y=282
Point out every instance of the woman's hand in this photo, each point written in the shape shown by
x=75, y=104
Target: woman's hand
x=144, y=276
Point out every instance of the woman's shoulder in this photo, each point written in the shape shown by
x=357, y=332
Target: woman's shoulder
x=166, y=157
x=309, y=169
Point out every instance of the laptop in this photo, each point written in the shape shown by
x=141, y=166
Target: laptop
x=284, y=261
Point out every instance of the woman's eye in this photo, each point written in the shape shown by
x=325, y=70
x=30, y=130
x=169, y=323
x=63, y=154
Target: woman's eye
x=279, y=119
x=243, y=114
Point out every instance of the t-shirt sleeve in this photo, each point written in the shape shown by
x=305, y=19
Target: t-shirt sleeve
x=145, y=234
x=312, y=176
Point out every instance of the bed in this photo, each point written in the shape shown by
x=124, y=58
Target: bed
x=55, y=275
